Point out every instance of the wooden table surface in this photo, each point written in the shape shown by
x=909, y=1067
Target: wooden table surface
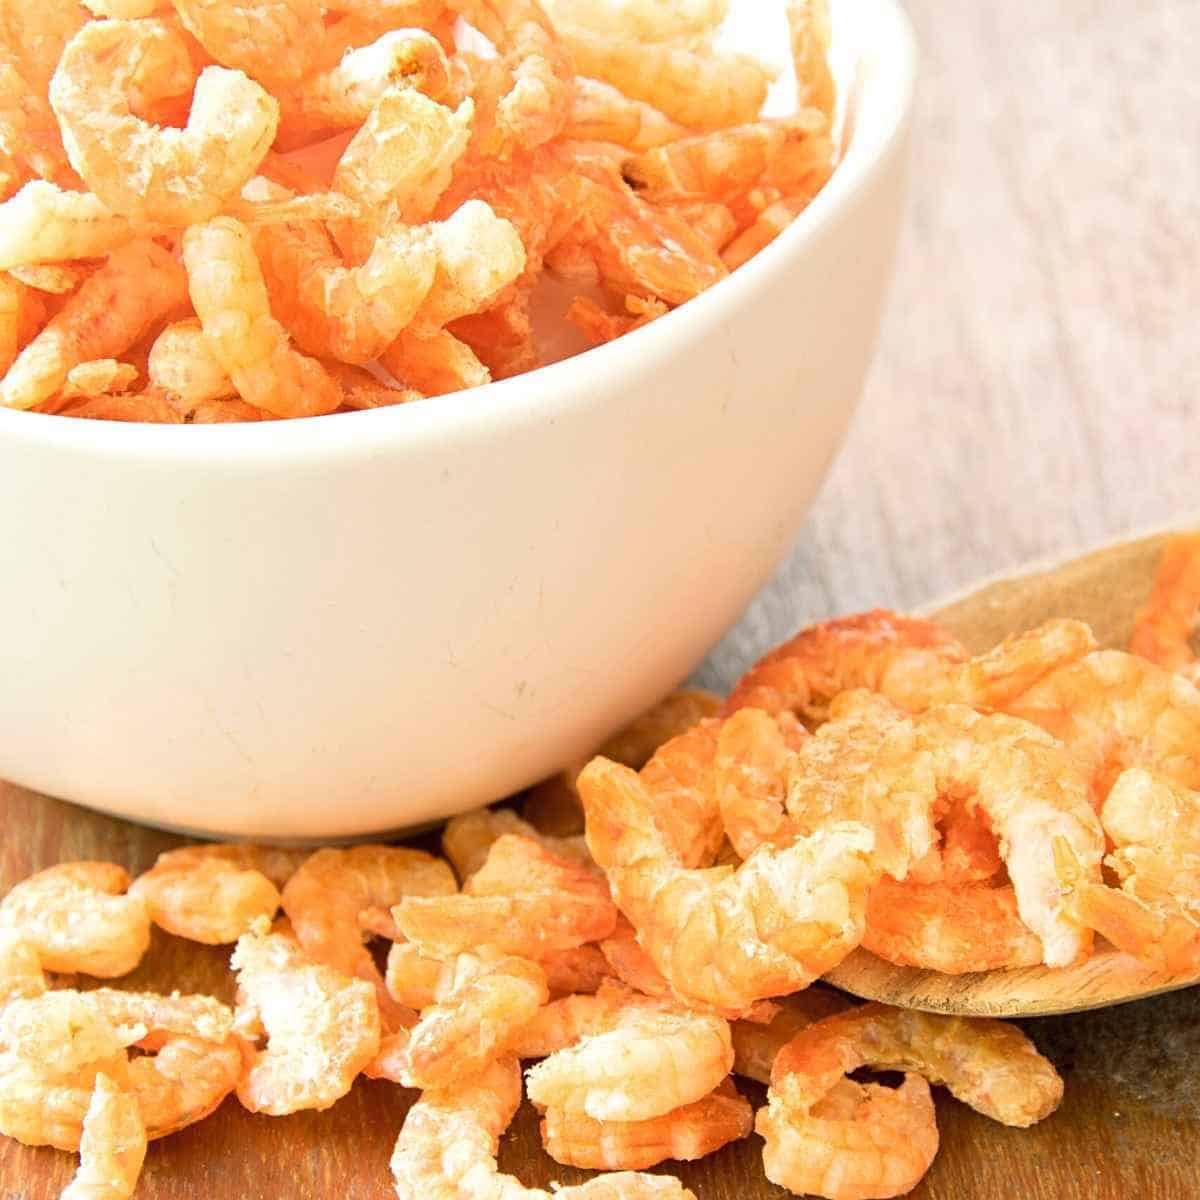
x=1033, y=394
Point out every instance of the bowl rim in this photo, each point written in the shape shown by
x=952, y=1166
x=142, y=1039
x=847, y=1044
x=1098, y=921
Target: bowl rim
x=546, y=391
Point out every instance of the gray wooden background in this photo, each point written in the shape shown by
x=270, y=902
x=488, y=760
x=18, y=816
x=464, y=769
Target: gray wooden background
x=1035, y=386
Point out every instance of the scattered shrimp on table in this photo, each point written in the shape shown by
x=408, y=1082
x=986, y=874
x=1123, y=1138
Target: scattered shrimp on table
x=138, y=284
x=447, y=1148
x=525, y=900
x=153, y=172
x=79, y=918
x=112, y=1147
x=1116, y=710
x=230, y=297
x=481, y=1008
x=213, y=893
x=322, y=1026
x=1163, y=626
x=655, y=1059
x=728, y=937
x=686, y=1133
x=332, y=887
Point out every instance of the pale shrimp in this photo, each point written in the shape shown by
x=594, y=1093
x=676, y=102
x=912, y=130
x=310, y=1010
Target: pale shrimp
x=342, y=96
x=703, y=90
x=448, y=1143
x=468, y=839
x=567, y=1020
x=898, y=656
x=230, y=297
x=273, y=41
x=632, y=745
x=767, y=226
x=635, y=246
x=525, y=900
x=52, y=1047
x=755, y=1045
x=536, y=106
x=322, y=1027
x=655, y=1059
x=1154, y=827
x=857, y=1142
x=335, y=311
x=481, y=1008
x=1115, y=710
x=212, y=893
x=21, y=974
x=435, y=363
x=182, y=364
x=44, y=223
x=103, y=319
x=158, y=1018
x=398, y=164
x=79, y=918
x=647, y=20
x=990, y=1065
x=152, y=172
x=630, y=963
x=793, y=154
x=413, y=978
x=686, y=1133
x=101, y=377
x=331, y=887
x=726, y=937
x=602, y=113
x=112, y=1146
x=953, y=929
x=1163, y=626
x=599, y=325
x=809, y=27
x=185, y=1080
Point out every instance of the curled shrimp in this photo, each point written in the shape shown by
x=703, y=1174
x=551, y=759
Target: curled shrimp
x=435, y=363
x=103, y=319
x=793, y=154
x=1115, y=710
x=52, y=1047
x=151, y=172
x=182, y=364
x=468, y=839
x=481, y=1007
x=535, y=108
x=686, y=1133
x=398, y=164
x=1154, y=827
x=79, y=918
x=900, y=657
x=553, y=807
x=336, y=311
x=185, y=1081
x=954, y=929
x=230, y=297
x=602, y=113
x=635, y=246
x=756, y=1044
x=525, y=900
x=322, y=1026
x=45, y=223
x=21, y=974
x=703, y=90
x=726, y=937
x=212, y=893
x=1163, y=626
x=655, y=1059
x=273, y=41
x=342, y=96
x=112, y=1146
x=447, y=1148
x=331, y=888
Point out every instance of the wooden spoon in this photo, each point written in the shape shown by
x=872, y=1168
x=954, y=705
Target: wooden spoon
x=1104, y=588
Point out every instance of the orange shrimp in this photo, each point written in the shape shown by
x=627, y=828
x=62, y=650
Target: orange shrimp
x=1163, y=626
x=755, y=1044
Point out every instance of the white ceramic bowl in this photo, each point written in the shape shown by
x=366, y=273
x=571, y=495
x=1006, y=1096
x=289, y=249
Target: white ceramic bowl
x=329, y=627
